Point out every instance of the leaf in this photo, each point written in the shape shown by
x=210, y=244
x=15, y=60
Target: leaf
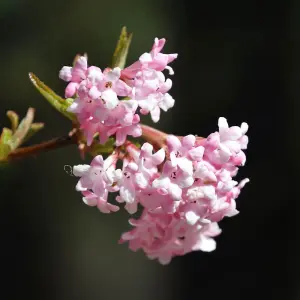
x=34, y=128
x=21, y=132
x=14, y=119
x=121, y=51
x=55, y=100
x=96, y=148
x=6, y=135
x=5, y=138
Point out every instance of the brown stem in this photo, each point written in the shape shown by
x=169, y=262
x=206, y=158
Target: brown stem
x=151, y=135
x=43, y=147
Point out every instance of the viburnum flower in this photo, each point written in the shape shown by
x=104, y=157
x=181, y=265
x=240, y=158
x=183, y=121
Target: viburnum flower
x=153, y=60
x=96, y=181
x=150, y=89
x=99, y=104
x=176, y=189
x=75, y=75
x=183, y=189
x=182, y=186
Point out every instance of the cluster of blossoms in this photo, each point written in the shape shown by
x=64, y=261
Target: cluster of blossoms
x=184, y=189
x=99, y=106
x=183, y=185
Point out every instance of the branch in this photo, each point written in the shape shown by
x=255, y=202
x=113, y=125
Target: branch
x=43, y=147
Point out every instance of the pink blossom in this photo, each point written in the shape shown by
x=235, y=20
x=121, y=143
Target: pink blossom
x=164, y=236
x=226, y=144
x=92, y=199
x=74, y=75
x=122, y=132
x=153, y=60
x=204, y=193
x=112, y=81
x=96, y=180
x=184, y=188
x=98, y=106
x=150, y=90
x=172, y=181
x=137, y=175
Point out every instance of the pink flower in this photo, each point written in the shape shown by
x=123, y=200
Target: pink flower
x=226, y=144
x=74, y=75
x=96, y=180
x=184, y=188
x=137, y=175
x=128, y=188
x=172, y=181
x=153, y=60
x=155, y=202
x=182, y=153
x=164, y=236
x=157, y=60
x=122, y=132
x=112, y=81
x=92, y=199
x=150, y=90
x=154, y=103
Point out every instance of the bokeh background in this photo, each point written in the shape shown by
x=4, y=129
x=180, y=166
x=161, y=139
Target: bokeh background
x=237, y=59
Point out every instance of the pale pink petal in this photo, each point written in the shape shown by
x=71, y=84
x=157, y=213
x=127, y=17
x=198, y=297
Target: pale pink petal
x=90, y=201
x=155, y=114
x=196, y=154
x=110, y=98
x=173, y=143
x=80, y=170
x=205, y=244
x=188, y=141
x=71, y=89
x=97, y=161
x=94, y=93
x=191, y=217
x=65, y=73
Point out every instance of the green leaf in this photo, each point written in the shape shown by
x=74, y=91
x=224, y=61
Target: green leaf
x=56, y=101
x=6, y=135
x=5, y=138
x=120, y=54
x=34, y=128
x=96, y=148
x=21, y=132
x=14, y=119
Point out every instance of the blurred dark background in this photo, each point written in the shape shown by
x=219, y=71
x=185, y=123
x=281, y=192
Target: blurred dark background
x=237, y=59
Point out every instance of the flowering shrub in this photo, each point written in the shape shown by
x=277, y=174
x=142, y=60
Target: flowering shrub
x=183, y=185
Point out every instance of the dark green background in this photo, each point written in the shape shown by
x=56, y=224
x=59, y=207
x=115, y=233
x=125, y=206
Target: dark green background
x=237, y=59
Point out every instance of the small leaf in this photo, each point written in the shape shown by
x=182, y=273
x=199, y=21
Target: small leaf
x=4, y=151
x=96, y=148
x=14, y=119
x=56, y=101
x=5, y=138
x=120, y=54
x=21, y=132
x=34, y=128
x=6, y=135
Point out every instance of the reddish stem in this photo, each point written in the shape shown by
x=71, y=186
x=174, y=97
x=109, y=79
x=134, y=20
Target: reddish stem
x=151, y=135
x=43, y=147
x=154, y=136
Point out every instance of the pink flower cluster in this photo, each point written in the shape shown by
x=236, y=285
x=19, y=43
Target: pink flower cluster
x=99, y=102
x=184, y=189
